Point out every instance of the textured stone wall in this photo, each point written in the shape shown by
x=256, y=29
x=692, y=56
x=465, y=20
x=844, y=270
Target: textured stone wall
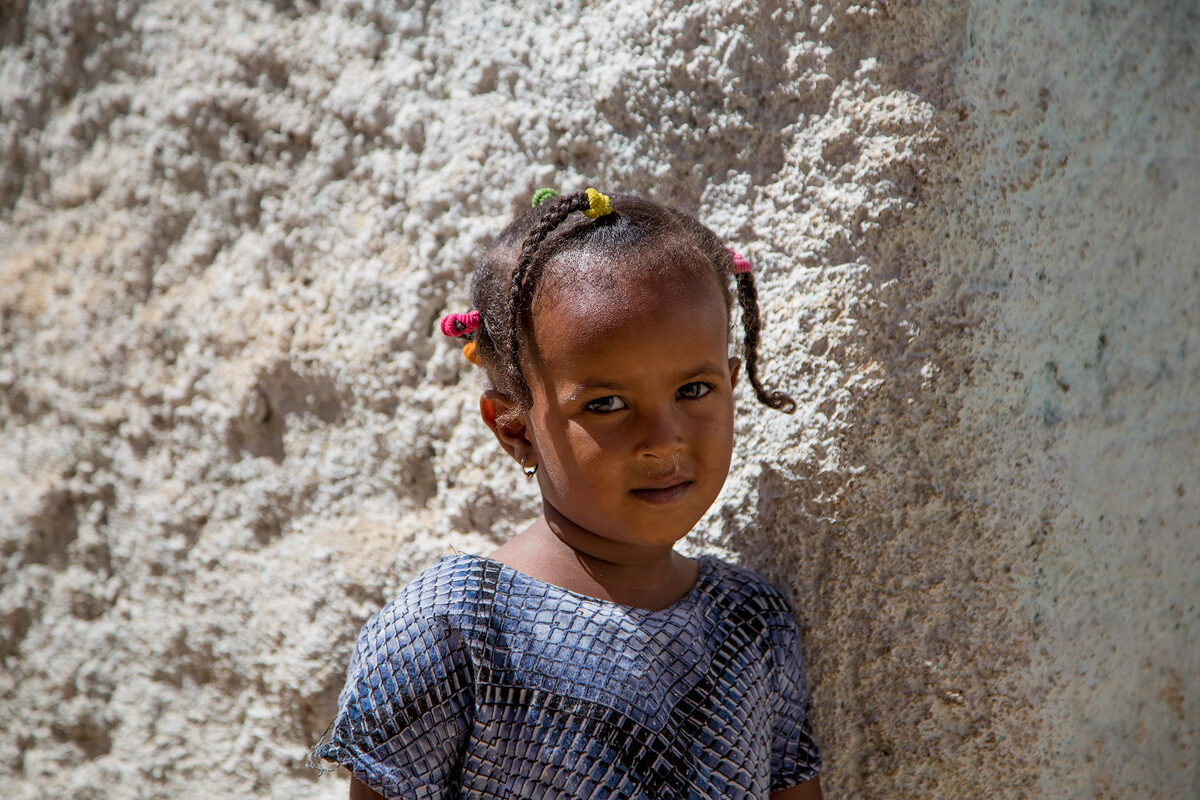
x=229, y=431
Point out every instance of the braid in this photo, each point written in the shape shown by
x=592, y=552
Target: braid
x=524, y=280
x=506, y=280
x=748, y=299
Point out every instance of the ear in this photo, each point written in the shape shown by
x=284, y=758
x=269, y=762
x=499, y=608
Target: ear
x=513, y=434
x=735, y=366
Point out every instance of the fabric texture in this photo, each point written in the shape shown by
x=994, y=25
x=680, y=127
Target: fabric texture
x=479, y=681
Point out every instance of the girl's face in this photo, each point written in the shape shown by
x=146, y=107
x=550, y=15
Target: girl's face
x=631, y=422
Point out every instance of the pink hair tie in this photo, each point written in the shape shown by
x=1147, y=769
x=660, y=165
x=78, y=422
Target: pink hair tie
x=460, y=324
x=740, y=264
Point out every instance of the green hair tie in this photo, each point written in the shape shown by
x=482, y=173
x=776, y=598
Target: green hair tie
x=542, y=195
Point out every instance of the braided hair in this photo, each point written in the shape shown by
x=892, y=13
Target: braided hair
x=507, y=279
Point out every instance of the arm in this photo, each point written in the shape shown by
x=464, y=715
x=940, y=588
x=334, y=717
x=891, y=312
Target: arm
x=809, y=790
x=360, y=791
x=400, y=729
x=795, y=758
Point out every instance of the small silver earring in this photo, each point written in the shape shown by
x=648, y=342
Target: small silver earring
x=529, y=471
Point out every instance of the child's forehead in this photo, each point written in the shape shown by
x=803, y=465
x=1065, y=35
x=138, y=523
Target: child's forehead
x=586, y=284
x=626, y=307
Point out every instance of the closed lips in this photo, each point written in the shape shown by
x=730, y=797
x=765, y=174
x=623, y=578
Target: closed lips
x=663, y=493
x=663, y=484
x=666, y=481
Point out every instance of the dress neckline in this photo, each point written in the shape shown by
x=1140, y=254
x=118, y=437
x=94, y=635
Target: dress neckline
x=702, y=577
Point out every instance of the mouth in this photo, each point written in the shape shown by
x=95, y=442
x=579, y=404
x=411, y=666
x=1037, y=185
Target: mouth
x=663, y=495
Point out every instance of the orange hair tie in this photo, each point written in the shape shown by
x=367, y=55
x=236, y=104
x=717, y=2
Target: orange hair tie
x=471, y=353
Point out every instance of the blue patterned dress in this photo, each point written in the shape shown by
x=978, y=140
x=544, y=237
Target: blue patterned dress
x=480, y=681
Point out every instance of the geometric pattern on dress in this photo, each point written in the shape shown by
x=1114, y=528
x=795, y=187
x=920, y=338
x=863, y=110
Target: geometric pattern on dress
x=479, y=681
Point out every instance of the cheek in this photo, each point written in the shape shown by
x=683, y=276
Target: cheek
x=716, y=436
x=576, y=474
x=570, y=450
x=583, y=448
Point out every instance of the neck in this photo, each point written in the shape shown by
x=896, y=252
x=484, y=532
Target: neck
x=597, y=553
x=556, y=550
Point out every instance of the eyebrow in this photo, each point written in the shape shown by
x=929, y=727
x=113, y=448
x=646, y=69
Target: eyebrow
x=589, y=385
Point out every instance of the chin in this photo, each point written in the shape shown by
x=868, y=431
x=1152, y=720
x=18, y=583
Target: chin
x=668, y=533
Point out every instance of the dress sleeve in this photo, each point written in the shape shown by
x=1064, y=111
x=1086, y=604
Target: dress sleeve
x=405, y=711
x=794, y=754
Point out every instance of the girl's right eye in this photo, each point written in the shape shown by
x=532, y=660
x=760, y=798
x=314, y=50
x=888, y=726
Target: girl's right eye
x=606, y=405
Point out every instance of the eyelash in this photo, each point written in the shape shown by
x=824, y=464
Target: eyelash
x=708, y=387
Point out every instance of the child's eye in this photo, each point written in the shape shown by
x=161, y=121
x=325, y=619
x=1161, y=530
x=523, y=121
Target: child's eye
x=606, y=405
x=695, y=389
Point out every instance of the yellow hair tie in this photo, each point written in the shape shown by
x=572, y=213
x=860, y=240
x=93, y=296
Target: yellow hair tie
x=471, y=355
x=599, y=204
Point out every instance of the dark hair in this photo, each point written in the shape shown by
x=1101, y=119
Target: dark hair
x=504, y=284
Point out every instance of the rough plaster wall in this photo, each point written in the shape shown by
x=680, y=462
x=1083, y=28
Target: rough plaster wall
x=1089, y=275
x=229, y=431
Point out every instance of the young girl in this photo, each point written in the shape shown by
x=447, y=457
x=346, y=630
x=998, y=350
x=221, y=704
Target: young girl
x=586, y=658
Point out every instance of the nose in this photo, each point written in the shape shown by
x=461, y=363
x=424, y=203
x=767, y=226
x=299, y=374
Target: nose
x=661, y=435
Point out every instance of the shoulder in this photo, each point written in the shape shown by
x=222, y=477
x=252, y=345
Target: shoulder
x=449, y=588
x=749, y=602
x=741, y=587
x=433, y=621
x=442, y=602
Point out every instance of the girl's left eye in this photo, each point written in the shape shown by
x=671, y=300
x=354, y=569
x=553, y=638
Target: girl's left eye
x=695, y=389
x=606, y=405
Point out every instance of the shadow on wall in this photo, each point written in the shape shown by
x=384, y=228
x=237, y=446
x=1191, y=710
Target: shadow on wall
x=279, y=392
x=915, y=653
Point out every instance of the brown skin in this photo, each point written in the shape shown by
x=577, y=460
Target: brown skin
x=631, y=428
x=360, y=791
